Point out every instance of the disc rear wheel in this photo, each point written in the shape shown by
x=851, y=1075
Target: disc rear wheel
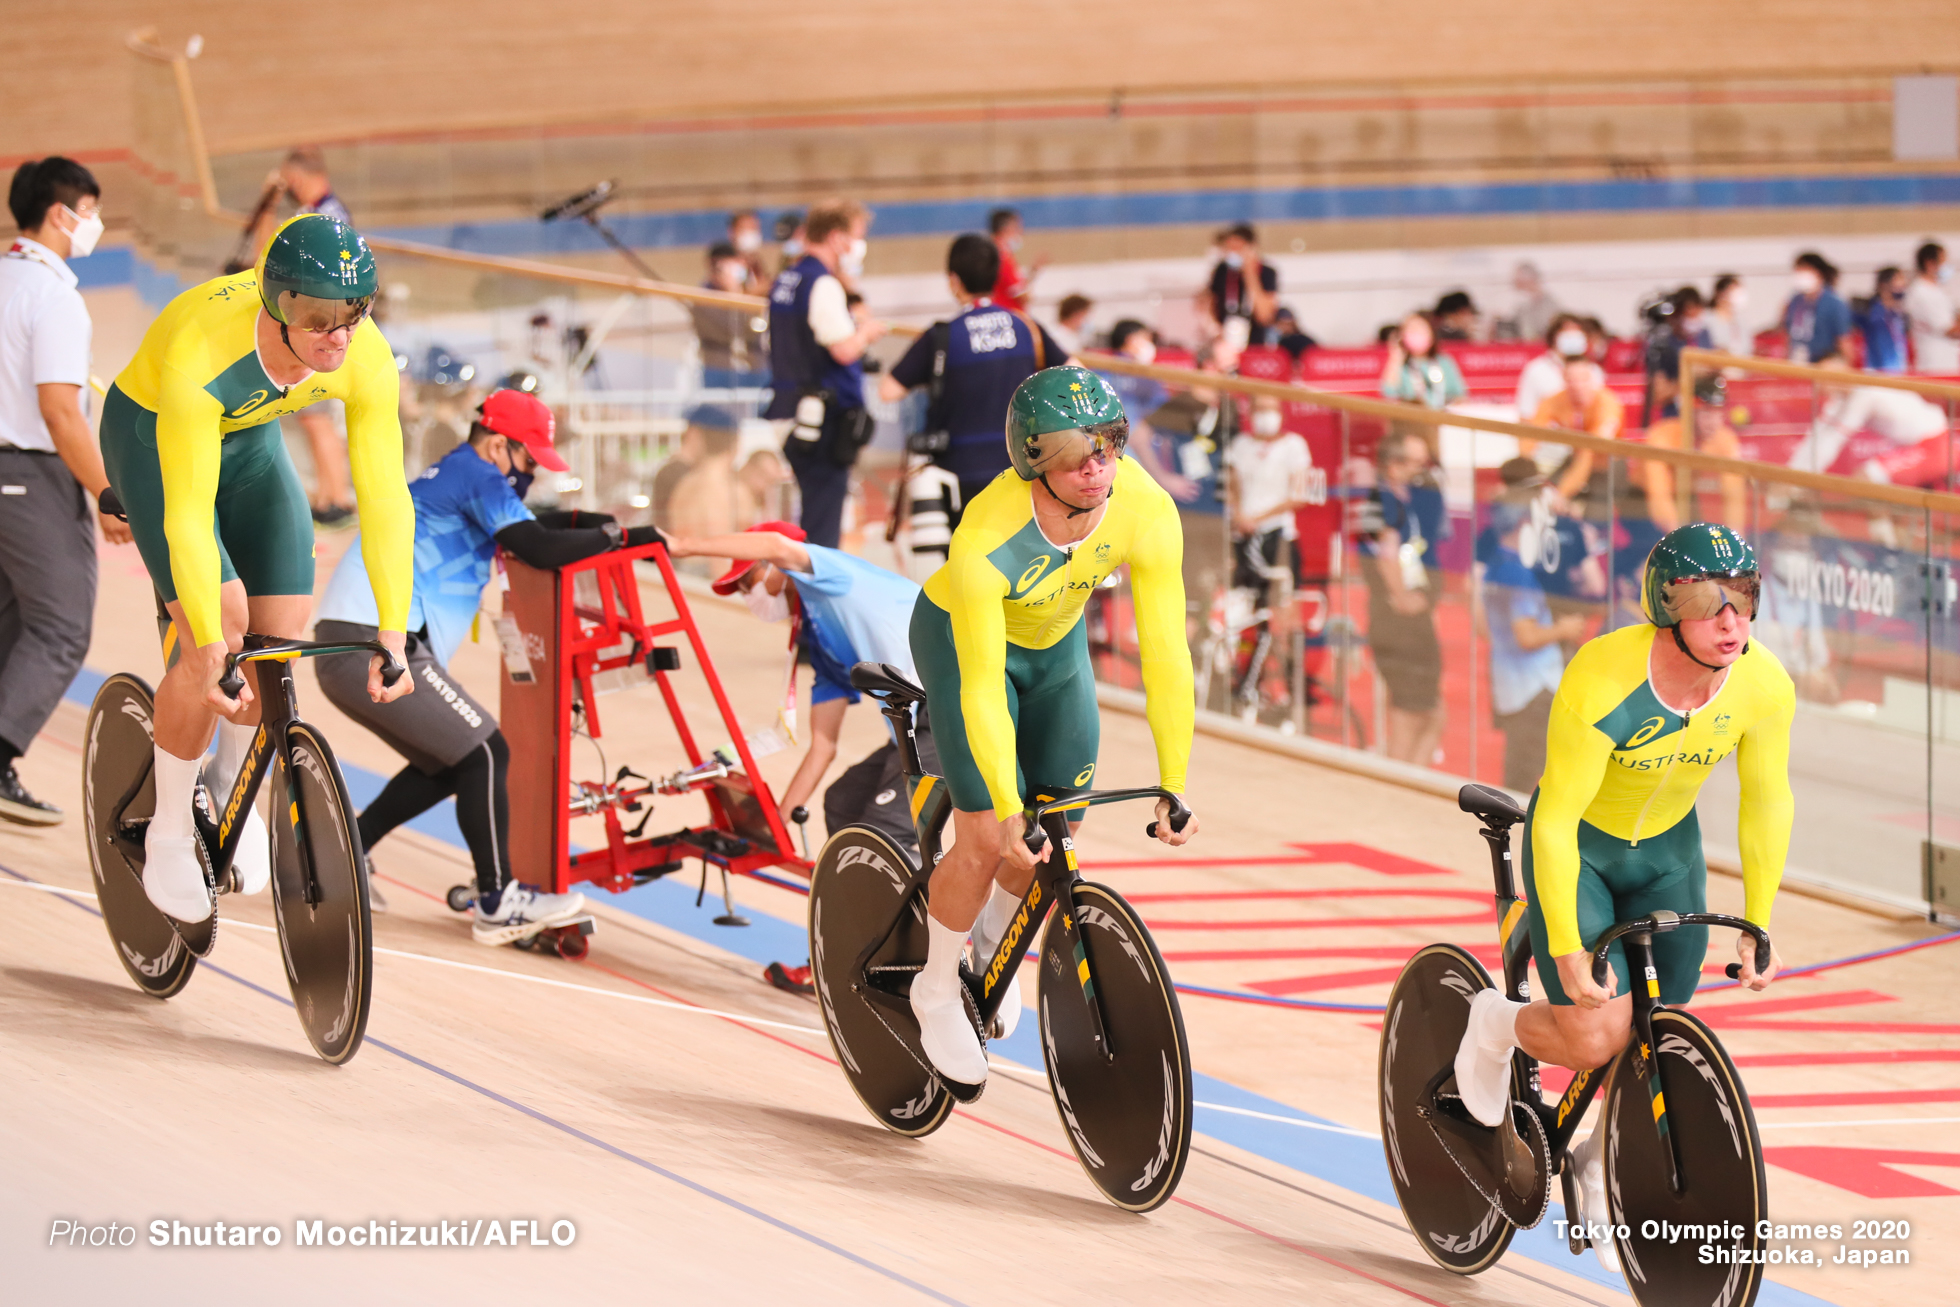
x=1428, y=1011
x=118, y=799
x=325, y=926
x=1128, y=1116
x=859, y=879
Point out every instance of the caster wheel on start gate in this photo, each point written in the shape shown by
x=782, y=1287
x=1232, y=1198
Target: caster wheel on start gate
x=462, y=898
x=572, y=943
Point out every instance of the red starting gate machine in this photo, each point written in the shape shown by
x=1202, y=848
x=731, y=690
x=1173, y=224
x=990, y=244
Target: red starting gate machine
x=567, y=632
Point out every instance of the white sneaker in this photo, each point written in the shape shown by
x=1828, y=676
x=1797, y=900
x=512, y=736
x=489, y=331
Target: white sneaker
x=173, y=877
x=522, y=911
x=253, y=861
x=1589, y=1158
x=1483, y=1061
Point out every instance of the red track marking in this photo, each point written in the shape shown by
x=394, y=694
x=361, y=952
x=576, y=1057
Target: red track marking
x=1256, y=895
x=1312, y=923
x=1866, y=1171
x=1184, y=864
x=1852, y=1027
x=1853, y=1058
x=414, y=889
x=1378, y=860
x=1326, y=980
x=1487, y=954
x=1750, y=1010
x=1865, y=1098
x=733, y=1021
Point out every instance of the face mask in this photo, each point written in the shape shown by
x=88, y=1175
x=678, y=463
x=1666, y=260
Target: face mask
x=1265, y=422
x=792, y=248
x=1235, y=260
x=738, y=273
x=520, y=482
x=768, y=607
x=1806, y=281
x=852, y=263
x=1570, y=343
x=1738, y=300
x=1144, y=351
x=1945, y=274
x=748, y=241
x=1012, y=242
x=87, y=231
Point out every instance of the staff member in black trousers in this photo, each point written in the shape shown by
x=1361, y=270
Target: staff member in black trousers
x=48, y=458
x=816, y=362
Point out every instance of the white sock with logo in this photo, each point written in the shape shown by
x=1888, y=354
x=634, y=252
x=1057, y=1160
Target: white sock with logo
x=176, y=779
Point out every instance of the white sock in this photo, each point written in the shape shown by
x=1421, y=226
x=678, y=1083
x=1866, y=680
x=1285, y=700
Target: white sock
x=234, y=743
x=176, y=778
x=1586, y=1154
x=992, y=924
x=942, y=969
x=1499, y=1029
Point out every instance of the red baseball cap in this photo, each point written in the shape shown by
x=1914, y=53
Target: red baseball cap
x=727, y=582
x=525, y=419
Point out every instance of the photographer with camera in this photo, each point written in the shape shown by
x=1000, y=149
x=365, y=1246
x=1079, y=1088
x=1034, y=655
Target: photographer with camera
x=816, y=359
x=1672, y=323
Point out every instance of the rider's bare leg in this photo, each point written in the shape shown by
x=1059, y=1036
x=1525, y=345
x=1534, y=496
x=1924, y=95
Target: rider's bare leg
x=1572, y=1036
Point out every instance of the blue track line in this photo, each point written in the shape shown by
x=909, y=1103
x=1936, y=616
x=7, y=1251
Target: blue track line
x=571, y=1130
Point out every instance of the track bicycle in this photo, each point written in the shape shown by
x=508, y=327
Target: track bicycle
x=1112, y=1033
x=1681, y=1148
x=319, y=893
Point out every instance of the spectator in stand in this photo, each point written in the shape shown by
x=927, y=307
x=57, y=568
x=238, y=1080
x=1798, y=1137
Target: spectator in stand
x=1532, y=319
x=1186, y=437
x=1268, y=484
x=1455, y=316
x=816, y=357
x=1584, y=405
x=1408, y=517
x=745, y=235
x=1243, y=298
x=765, y=476
x=1288, y=336
x=1680, y=328
x=1525, y=638
x=710, y=499
x=1713, y=435
x=1417, y=371
x=981, y=357
x=1883, y=322
x=1914, y=427
x=734, y=351
x=1935, y=325
x=1816, y=318
x=1726, y=304
x=789, y=239
x=1544, y=376
x=1014, y=285
x=1072, y=322
x=686, y=456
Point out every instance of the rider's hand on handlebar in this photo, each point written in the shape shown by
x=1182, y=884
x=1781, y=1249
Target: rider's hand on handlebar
x=1014, y=850
x=1165, y=834
x=397, y=644
x=206, y=664
x=1745, y=948
x=1575, y=974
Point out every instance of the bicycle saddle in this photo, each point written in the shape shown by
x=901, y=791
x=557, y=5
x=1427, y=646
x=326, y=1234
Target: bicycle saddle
x=883, y=678
x=1494, y=806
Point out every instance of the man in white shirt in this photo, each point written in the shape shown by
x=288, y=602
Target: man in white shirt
x=1268, y=484
x=1930, y=313
x=48, y=457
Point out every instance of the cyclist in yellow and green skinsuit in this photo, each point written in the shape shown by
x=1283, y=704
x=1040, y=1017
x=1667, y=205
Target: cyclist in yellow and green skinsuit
x=1000, y=645
x=1642, y=716
x=190, y=440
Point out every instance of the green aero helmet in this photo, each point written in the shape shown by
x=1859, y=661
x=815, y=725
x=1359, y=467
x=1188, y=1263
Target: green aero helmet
x=1695, y=571
x=1058, y=417
x=316, y=274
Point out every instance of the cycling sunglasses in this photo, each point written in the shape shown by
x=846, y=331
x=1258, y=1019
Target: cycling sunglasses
x=1103, y=444
x=1705, y=597
x=310, y=313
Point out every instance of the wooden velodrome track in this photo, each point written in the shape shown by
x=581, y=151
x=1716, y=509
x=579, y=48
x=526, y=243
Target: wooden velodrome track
x=689, y=1121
